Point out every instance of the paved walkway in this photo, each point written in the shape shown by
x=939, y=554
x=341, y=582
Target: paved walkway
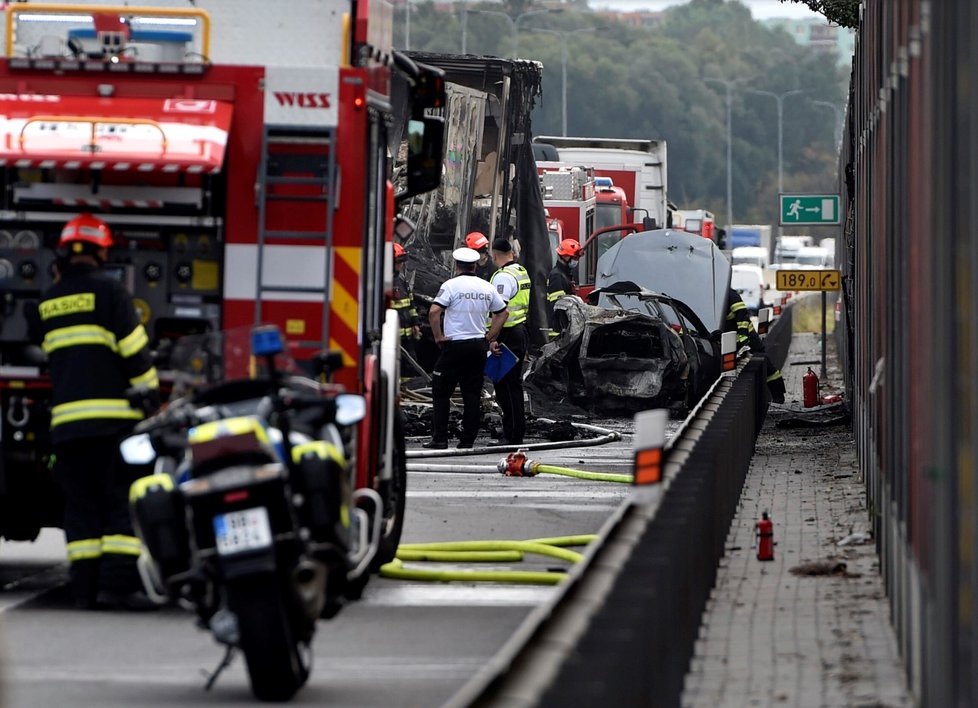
x=774, y=637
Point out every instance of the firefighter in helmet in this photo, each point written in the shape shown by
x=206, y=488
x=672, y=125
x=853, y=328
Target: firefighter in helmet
x=561, y=280
x=403, y=302
x=98, y=358
x=738, y=320
x=477, y=241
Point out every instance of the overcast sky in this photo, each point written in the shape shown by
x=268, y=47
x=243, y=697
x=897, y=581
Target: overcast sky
x=761, y=9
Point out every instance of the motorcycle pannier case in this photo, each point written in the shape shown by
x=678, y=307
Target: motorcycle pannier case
x=160, y=522
x=321, y=481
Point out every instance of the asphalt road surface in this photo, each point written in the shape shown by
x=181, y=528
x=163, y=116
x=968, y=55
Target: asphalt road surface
x=404, y=644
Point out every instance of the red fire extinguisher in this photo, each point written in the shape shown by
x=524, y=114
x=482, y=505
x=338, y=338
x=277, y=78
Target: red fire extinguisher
x=765, y=538
x=810, y=386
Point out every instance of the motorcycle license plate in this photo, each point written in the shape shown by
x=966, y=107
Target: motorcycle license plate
x=245, y=530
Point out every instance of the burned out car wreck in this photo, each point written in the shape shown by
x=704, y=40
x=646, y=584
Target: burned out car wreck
x=640, y=350
x=631, y=346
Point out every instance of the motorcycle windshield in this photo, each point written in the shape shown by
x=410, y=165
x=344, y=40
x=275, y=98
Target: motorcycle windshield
x=200, y=362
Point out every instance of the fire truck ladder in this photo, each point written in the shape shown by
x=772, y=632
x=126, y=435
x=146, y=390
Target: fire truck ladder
x=298, y=166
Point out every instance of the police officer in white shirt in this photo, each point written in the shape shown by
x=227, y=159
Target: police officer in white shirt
x=468, y=302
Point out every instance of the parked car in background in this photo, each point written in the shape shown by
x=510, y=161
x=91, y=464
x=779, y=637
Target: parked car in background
x=750, y=255
x=748, y=280
x=787, y=248
x=814, y=257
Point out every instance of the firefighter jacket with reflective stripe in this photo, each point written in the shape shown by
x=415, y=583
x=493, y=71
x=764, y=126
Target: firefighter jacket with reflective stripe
x=519, y=304
x=403, y=302
x=88, y=326
x=738, y=320
x=559, y=283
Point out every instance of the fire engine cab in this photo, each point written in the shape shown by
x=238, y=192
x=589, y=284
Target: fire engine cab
x=696, y=221
x=242, y=156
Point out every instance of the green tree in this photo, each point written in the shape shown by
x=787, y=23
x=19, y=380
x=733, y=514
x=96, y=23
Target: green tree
x=844, y=13
x=636, y=82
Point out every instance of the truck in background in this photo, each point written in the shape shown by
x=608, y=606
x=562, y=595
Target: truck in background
x=757, y=235
x=696, y=221
x=637, y=167
x=787, y=248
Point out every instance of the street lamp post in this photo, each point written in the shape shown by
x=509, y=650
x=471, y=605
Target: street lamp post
x=779, y=100
x=837, y=130
x=407, y=25
x=514, y=24
x=563, y=67
x=728, y=85
x=465, y=26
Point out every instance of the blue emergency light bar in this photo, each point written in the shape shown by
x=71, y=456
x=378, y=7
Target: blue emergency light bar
x=266, y=341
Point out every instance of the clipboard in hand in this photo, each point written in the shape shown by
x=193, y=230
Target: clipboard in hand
x=499, y=365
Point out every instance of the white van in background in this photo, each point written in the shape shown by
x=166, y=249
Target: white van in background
x=787, y=248
x=748, y=280
x=814, y=257
x=750, y=255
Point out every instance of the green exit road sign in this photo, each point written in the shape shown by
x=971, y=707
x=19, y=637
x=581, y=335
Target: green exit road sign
x=809, y=209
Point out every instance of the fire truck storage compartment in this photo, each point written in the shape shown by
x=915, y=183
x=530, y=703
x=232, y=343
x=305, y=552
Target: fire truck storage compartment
x=24, y=469
x=174, y=274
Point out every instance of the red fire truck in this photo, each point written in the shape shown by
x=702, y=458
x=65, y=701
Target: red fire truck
x=240, y=155
x=569, y=200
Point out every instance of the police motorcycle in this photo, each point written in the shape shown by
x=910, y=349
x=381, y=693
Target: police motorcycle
x=250, y=518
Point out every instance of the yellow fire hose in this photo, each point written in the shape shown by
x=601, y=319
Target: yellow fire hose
x=484, y=552
x=540, y=468
x=522, y=468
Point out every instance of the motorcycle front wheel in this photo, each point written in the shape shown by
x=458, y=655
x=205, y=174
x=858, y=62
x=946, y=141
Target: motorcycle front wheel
x=278, y=664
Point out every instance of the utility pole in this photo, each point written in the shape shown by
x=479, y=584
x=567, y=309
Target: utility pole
x=407, y=25
x=465, y=27
x=514, y=24
x=837, y=131
x=728, y=86
x=779, y=100
x=563, y=67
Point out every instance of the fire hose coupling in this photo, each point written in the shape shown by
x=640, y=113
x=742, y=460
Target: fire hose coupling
x=19, y=421
x=517, y=464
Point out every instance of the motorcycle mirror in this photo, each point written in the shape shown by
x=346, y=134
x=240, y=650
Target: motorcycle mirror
x=137, y=449
x=328, y=362
x=350, y=408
